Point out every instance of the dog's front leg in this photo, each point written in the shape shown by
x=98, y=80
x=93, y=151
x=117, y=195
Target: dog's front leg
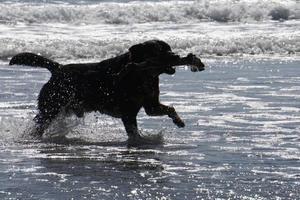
x=160, y=109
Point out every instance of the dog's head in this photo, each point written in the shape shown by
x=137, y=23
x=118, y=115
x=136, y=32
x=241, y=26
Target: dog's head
x=153, y=49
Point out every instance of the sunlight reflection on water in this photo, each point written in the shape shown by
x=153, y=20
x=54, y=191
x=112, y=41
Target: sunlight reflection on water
x=241, y=141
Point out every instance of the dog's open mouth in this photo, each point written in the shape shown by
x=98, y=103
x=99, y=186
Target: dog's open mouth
x=170, y=70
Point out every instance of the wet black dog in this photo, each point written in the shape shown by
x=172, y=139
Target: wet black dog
x=119, y=86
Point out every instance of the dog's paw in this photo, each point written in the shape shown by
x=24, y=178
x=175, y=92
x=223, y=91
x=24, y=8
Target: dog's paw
x=179, y=122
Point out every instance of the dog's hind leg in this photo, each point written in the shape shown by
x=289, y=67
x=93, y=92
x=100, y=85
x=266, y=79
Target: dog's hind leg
x=53, y=99
x=41, y=124
x=43, y=120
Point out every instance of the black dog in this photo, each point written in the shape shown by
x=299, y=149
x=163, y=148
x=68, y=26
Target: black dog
x=119, y=86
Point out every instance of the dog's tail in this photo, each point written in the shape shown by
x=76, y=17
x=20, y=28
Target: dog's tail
x=34, y=60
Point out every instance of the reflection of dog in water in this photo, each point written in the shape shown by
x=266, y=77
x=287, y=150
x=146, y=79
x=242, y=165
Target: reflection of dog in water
x=119, y=86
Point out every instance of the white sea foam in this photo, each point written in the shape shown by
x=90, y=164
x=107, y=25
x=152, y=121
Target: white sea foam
x=141, y=12
x=74, y=49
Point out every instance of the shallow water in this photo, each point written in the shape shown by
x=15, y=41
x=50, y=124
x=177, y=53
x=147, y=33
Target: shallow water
x=242, y=114
x=241, y=139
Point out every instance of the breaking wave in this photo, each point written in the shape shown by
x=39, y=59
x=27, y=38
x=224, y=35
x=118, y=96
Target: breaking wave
x=73, y=49
x=97, y=29
x=94, y=12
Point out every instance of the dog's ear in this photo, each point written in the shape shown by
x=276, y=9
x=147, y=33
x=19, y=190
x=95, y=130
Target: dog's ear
x=163, y=46
x=137, y=52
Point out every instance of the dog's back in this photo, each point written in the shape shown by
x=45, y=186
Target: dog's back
x=85, y=87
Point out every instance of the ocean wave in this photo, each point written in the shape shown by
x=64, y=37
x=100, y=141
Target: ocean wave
x=145, y=12
x=88, y=49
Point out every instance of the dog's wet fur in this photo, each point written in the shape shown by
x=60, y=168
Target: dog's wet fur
x=118, y=86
